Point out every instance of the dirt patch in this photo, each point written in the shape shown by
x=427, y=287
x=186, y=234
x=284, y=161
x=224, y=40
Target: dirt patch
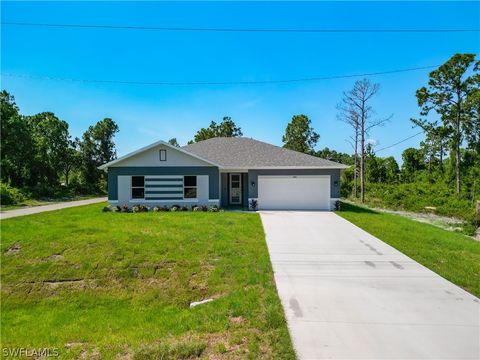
x=55, y=257
x=13, y=250
x=237, y=320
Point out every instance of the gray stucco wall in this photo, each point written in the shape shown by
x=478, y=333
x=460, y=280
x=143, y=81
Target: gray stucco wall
x=211, y=171
x=334, y=177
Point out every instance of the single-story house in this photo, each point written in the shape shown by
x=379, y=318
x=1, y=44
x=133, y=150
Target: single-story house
x=227, y=172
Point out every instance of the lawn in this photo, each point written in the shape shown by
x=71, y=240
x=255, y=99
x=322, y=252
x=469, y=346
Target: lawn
x=116, y=285
x=452, y=255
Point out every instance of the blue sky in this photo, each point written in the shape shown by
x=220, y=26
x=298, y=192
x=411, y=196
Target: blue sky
x=148, y=113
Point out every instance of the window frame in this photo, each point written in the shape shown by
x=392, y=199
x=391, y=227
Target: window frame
x=190, y=187
x=164, y=151
x=137, y=187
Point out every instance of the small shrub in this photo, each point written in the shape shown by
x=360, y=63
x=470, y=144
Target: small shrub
x=107, y=209
x=136, y=208
x=195, y=208
x=253, y=204
x=184, y=208
x=164, y=208
x=156, y=208
x=10, y=195
x=116, y=209
x=204, y=208
x=337, y=205
x=213, y=208
x=125, y=208
x=174, y=208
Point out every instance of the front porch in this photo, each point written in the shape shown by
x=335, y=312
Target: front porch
x=234, y=190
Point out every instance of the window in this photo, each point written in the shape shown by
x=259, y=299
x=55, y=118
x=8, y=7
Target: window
x=138, y=187
x=163, y=155
x=189, y=187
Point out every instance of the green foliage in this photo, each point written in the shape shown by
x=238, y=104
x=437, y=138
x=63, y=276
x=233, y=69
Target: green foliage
x=300, y=136
x=174, y=142
x=39, y=157
x=227, y=128
x=10, y=195
x=333, y=155
x=453, y=93
x=97, y=147
x=413, y=162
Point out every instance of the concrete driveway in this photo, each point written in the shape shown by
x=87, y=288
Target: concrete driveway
x=348, y=295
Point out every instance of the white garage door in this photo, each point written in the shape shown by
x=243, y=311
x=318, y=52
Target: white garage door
x=294, y=192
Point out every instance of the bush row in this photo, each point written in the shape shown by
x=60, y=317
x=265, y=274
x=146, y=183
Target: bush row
x=144, y=208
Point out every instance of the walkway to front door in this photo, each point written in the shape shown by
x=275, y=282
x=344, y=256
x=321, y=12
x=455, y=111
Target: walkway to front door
x=348, y=295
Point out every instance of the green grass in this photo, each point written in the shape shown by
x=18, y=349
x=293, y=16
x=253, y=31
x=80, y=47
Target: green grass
x=103, y=285
x=454, y=256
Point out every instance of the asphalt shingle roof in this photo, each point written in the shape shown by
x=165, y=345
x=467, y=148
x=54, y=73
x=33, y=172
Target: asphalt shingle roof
x=246, y=153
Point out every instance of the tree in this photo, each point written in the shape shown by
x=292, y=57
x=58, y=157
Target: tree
x=349, y=115
x=300, y=136
x=16, y=142
x=173, y=141
x=413, y=161
x=334, y=155
x=356, y=105
x=97, y=147
x=71, y=159
x=227, y=128
x=50, y=143
x=449, y=94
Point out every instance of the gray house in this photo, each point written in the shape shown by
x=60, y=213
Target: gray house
x=227, y=172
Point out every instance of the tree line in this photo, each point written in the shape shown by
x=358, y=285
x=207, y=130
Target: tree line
x=39, y=156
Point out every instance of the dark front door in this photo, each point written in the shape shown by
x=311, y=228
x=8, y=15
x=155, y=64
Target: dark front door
x=235, y=189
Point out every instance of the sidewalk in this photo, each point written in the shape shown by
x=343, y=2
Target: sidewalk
x=39, y=209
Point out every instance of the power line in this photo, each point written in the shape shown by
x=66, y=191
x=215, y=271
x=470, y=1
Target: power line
x=257, y=30
x=193, y=83
x=401, y=141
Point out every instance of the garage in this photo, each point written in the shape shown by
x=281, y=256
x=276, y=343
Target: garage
x=294, y=192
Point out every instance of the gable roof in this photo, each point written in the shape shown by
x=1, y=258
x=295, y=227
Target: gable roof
x=246, y=153
x=148, y=147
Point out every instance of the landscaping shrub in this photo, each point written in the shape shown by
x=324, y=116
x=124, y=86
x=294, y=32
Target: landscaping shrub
x=204, y=208
x=125, y=208
x=184, y=208
x=174, y=208
x=10, y=195
x=253, y=204
x=107, y=209
x=213, y=208
x=156, y=208
x=195, y=208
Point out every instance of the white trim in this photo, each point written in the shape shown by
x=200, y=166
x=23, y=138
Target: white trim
x=339, y=167
x=113, y=201
x=148, y=147
x=228, y=170
x=212, y=200
x=162, y=201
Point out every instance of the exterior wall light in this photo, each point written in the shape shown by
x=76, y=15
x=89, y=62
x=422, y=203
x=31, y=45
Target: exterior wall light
x=253, y=183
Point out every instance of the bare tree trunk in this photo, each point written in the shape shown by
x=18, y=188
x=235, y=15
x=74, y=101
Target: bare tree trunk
x=458, y=139
x=457, y=157
x=362, y=159
x=355, y=174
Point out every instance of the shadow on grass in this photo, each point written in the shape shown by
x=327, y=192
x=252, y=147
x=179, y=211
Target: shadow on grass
x=356, y=209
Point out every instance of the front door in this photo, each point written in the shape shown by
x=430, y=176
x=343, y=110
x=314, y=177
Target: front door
x=235, y=189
